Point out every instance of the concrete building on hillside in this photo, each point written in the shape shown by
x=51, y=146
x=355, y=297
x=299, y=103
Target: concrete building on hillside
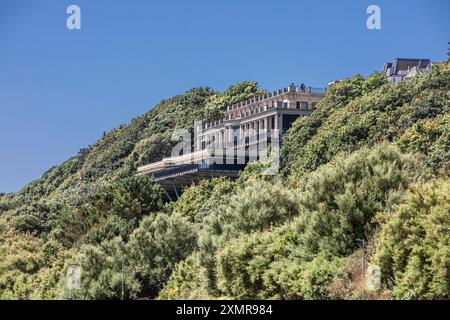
x=275, y=110
x=225, y=146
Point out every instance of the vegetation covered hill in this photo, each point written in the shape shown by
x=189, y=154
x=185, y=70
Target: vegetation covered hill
x=371, y=163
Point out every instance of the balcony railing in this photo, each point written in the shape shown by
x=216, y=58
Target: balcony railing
x=188, y=168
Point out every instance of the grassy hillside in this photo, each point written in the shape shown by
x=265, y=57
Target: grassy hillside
x=371, y=163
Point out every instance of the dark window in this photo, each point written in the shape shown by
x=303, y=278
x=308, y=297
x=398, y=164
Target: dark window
x=302, y=105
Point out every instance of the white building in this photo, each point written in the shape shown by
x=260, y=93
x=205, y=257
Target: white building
x=225, y=146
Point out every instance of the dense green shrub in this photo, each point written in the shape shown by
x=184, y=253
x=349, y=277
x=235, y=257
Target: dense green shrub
x=432, y=139
x=337, y=206
x=129, y=198
x=147, y=259
x=305, y=280
x=108, y=228
x=338, y=97
x=186, y=281
x=242, y=263
x=366, y=118
x=413, y=248
x=51, y=279
x=199, y=201
x=339, y=200
x=102, y=269
x=21, y=258
x=263, y=266
x=37, y=218
x=256, y=206
x=156, y=246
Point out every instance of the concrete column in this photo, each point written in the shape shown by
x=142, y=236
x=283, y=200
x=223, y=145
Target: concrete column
x=258, y=124
x=218, y=140
x=248, y=129
x=225, y=137
x=252, y=131
x=231, y=136
x=243, y=135
x=280, y=123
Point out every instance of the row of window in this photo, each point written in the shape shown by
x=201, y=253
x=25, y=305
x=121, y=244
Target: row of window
x=303, y=105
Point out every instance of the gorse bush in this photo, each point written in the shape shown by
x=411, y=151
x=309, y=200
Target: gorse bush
x=102, y=266
x=333, y=210
x=21, y=257
x=431, y=138
x=186, y=281
x=199, y=202
x=382, y=112
x=115, y=209
x=109, y=228
x=130, y=198
x=304, y=129
x=146, y=260
x=339, y=200
x=414, y=244
x=156, y=246
x=37, y=218
x=258, y=206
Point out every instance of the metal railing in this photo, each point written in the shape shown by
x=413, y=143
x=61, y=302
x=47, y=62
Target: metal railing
x=180, y=169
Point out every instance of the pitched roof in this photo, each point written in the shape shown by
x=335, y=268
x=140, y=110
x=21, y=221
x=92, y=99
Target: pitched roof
x=405, y=64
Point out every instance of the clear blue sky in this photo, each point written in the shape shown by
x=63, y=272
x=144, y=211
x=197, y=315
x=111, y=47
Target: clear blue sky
x=61, y=89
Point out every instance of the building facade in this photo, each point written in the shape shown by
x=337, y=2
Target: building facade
x=250, y=121
x=401, y=69
x=225, y=146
